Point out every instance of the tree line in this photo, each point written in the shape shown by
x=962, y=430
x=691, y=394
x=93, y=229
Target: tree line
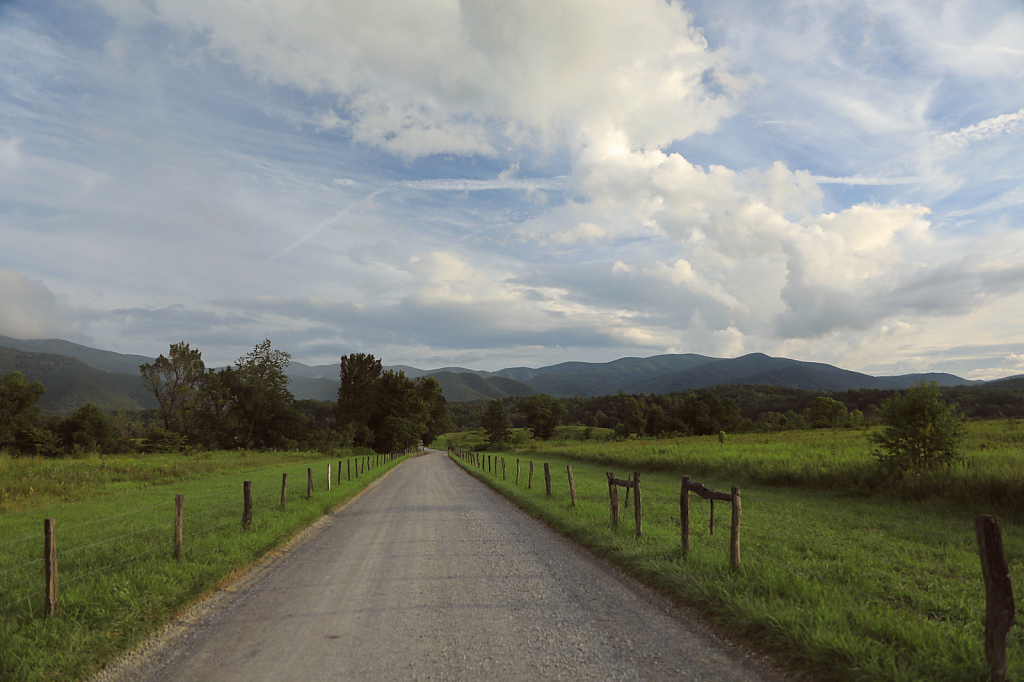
x=244, y=406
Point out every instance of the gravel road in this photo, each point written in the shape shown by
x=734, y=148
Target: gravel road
x=430, y=575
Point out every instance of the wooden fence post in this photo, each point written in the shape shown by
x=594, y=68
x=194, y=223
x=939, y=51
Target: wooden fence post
x=339, y=472
x=637, y=509
x=246, y=504
x=999, y=607
x=517, y=471
x=630, y=480
x=613, y=496
x=50, y=561
x=572, y=484
x=284, y=489
x=734, y=539
x=348, y=465
x=179, y=517
x=329, y=478
x=547, y=478
x=503, y=468
x=309, y=483
x=684, y=515
x=529, y=482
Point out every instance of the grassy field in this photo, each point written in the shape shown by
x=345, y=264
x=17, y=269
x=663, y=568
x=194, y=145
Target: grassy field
x=118, y=580
x=842, y=578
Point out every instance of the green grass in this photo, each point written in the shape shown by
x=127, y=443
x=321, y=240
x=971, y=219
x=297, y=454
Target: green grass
x=118, y=580
x=835, y=585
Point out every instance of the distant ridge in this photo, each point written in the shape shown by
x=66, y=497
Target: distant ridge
x=74, y=374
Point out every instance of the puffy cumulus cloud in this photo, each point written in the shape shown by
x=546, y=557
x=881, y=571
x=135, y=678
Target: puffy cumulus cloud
x=422, y=77
x=29, y=310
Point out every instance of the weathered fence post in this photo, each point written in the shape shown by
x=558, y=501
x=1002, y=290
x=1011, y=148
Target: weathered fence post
x=613, y=496
x=517, y=471
x=547, y=478
x=284, y=490
x=348, y=465
x=503, y=468
x=734, y=538
x=637, y=509
x=684, y=515
x=50, y=561
x=179, y=516
x=309, y=483
x=339, y=472
x=529, y=482
x=246, y=504
x=999, y=606
x=329, y=478
x=572, y=484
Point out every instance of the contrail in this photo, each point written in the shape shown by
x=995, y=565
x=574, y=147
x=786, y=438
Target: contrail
x=320, y=228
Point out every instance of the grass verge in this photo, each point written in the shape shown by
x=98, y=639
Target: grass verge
x=833, y=586
x=118, y=581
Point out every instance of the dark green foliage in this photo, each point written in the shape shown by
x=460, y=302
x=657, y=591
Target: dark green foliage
x=388, y=411
x=922, y=431
x=162, y=440
x=543, y=414
x=18, y=405
x=177, y=381
x=496, y=423
x=828, y=412
x=88, y=429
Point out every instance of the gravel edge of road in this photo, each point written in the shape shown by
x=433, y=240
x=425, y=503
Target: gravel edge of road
x=159, y=646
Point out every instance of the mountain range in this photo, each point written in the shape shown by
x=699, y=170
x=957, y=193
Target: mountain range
x=74, y=374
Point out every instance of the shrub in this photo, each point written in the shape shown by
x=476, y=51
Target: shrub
x=921, y=431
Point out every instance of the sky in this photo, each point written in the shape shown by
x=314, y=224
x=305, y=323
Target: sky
x=490, y=184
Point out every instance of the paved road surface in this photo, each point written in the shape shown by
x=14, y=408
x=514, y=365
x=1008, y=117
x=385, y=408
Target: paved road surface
x=430, y=575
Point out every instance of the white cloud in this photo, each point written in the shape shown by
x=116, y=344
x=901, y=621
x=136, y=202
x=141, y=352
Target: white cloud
x=29, y=310
x=998, y=126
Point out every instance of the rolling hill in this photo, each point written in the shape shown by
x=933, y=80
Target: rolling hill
x=74, y=374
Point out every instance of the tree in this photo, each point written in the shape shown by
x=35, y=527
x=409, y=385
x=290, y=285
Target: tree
x=177, y=381
x=357, y=394
x=88, y=428
x=921, y=432
x=828, y=412
x=262, y=407
x=543, y=414
x=18, y=405
x=496, y=423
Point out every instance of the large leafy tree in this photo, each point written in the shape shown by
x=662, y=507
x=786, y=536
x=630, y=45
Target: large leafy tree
x=177, y=381
x=18, y=405
x=921, y=431
x=496, y=423
x=543, y=414
x=386, y=410
x=262, y=408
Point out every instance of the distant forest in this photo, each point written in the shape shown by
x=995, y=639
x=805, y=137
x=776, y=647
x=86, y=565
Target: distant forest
x=739, y=409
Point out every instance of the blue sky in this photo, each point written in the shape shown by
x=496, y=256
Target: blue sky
x=525, y=182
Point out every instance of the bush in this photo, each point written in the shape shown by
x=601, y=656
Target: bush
x=922, y=432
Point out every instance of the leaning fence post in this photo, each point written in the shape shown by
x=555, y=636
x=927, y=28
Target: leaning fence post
x=684, y=514
x=734, y=538
x=284, y=489
x=637, y=509
x=547, y=478
x=613, y=496
x=246, y=503
x=179, y=513
x=572, y=484
x=999, y=607
x=50, y=561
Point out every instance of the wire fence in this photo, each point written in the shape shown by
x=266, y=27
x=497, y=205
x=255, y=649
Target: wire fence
x=105, y=545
